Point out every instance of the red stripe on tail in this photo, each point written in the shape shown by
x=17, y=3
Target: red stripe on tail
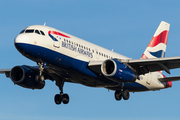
x=144, y=56
x=161, y=38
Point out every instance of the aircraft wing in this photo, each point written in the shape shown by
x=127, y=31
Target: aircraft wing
x=6, y=71
x=155, y=64
x=51, y=74
x=143, y=66
x=95, y=66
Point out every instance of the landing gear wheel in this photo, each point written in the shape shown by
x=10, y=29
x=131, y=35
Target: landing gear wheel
x=126, y=95
x=65, y=98
x=61, y=98
x=39, y=78
x=57, y=99
x=118, y=95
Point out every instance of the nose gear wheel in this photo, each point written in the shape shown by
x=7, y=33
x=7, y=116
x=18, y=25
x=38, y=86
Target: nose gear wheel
x=40, y=77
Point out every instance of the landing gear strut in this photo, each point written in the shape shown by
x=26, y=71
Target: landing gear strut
x=40, y=77
x=61, y=97
x=123, y=93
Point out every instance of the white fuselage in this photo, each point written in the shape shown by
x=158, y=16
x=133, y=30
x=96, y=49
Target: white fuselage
x=82, y=50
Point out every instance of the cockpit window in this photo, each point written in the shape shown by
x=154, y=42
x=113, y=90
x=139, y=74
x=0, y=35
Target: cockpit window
x=29, y=31
x=22, y=31
x=42, y=32
x=32, y=31
x=37, y=31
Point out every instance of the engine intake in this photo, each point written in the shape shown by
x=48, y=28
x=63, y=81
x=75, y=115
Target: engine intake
x=118, y=71
x=25, y=77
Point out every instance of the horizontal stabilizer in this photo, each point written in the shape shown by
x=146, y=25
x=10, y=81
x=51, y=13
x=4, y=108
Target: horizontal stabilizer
x=166, y=79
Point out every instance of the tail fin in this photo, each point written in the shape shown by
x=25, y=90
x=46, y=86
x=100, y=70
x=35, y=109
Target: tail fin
x=157, y=45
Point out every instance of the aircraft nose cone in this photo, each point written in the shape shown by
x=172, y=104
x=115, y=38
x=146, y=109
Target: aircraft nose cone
x=21, y=39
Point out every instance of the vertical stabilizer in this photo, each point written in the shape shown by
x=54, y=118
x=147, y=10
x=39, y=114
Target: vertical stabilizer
x=158, y=43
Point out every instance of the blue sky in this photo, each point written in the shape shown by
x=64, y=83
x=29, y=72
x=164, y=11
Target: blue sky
x=126, y=26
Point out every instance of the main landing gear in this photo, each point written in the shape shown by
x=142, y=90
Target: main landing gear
x=61, y=97
x=123, y=93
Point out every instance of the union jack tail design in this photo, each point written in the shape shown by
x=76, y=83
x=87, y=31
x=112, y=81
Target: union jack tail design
x=158, y=43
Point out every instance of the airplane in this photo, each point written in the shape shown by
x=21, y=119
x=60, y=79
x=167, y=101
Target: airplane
x=62, y=57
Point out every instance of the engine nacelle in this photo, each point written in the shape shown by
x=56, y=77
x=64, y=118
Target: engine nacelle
x=25, y=77
x=117, y=71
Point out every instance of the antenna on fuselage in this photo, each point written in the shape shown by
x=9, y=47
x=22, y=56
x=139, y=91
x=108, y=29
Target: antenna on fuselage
x=45, y=24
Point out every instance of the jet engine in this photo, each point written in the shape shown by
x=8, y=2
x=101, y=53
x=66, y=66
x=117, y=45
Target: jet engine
x=25, y=77
x=117, y=71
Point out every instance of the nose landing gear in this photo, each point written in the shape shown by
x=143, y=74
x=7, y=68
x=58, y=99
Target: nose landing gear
x=40, y=77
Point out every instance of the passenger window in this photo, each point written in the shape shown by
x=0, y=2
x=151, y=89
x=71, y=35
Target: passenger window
x=29, y=31
x=42, y=32
x=22, y=31
x=37, y=31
